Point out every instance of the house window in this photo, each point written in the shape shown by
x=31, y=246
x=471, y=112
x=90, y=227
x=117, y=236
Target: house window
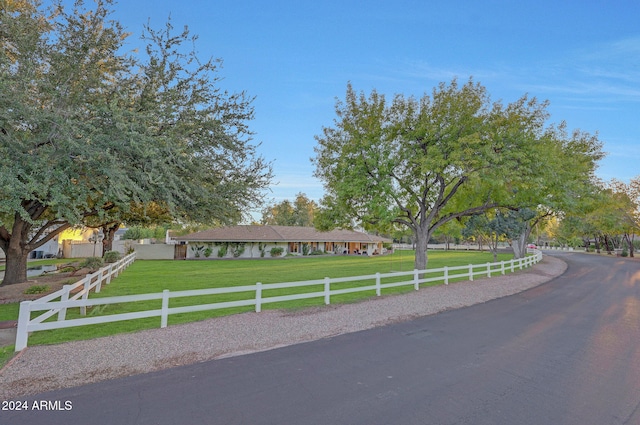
x=293, y=247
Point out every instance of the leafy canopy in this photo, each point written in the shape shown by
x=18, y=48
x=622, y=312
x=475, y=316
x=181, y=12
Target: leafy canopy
x=300, y=212
x=89, y=131
x=422, y=163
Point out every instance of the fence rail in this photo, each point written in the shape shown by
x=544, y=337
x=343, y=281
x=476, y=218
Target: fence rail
x=68, y=293
x=26, y=324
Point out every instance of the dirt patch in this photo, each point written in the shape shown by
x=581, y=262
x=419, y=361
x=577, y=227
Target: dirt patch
x=55, y=281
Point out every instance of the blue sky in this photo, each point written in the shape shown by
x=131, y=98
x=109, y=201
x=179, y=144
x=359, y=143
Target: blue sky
x=297, y=57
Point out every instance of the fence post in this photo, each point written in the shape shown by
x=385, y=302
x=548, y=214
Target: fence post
x=378, y=284
x=416, y=281
x=258, y=297
x=446, y=275
x=488, y=269
x=164, y=315
x=471, y=272
x=327, y=291
x=99, y=283
x=85, y=294
x=513, y=265
x=110, y=273
x=62, y=314
x=502, y=267
x=24, y=316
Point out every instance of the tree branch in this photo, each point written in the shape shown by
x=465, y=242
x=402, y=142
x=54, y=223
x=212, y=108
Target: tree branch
x=465, y=213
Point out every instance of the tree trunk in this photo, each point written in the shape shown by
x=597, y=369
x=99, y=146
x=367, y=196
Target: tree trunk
x=517, y=247
x=421, y=251
x=16, y=267
x=109, y=231
x=607, y=244
x=494, y=248
x=17, y=245
x=16, y=251
x=628, y=238
x=520, y=243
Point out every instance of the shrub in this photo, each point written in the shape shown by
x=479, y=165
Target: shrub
x=222, y=251
x=208, y=251
x=197, y=250
x=276, y=251
x=36, y=289
x=137, y=233
x=92, y=263
x=317, y=252
x=238, y=249
x=624, y=253
x=111, y=256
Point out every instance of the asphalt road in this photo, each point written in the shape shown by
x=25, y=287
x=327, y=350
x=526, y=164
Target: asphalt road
x=565, y=352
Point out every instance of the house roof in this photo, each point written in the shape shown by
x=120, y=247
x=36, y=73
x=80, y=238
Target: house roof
x=254, y=233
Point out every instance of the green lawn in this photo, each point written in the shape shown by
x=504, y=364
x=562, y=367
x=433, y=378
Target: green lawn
x=6, y=354
x=154, y=276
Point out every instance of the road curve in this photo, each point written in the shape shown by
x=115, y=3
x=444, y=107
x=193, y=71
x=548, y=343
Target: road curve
x=565, y=352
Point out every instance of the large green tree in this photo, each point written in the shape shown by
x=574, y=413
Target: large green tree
x=90, y=133
x=300, y=212
x=594, y=219
x=564, y=181
x=627, y=205
x=424, y=162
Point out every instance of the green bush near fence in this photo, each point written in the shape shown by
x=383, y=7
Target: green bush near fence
x=111, y=257
x=153, y=276
x=36, y=289
x=92, y=263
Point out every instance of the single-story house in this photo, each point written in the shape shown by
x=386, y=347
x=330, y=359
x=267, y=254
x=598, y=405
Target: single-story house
x=256, y=241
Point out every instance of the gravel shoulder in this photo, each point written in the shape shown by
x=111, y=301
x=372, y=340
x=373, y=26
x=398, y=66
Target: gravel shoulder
x=44, y=368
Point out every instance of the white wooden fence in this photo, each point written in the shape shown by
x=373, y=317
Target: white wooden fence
x=69, y=293
x=26, y=324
